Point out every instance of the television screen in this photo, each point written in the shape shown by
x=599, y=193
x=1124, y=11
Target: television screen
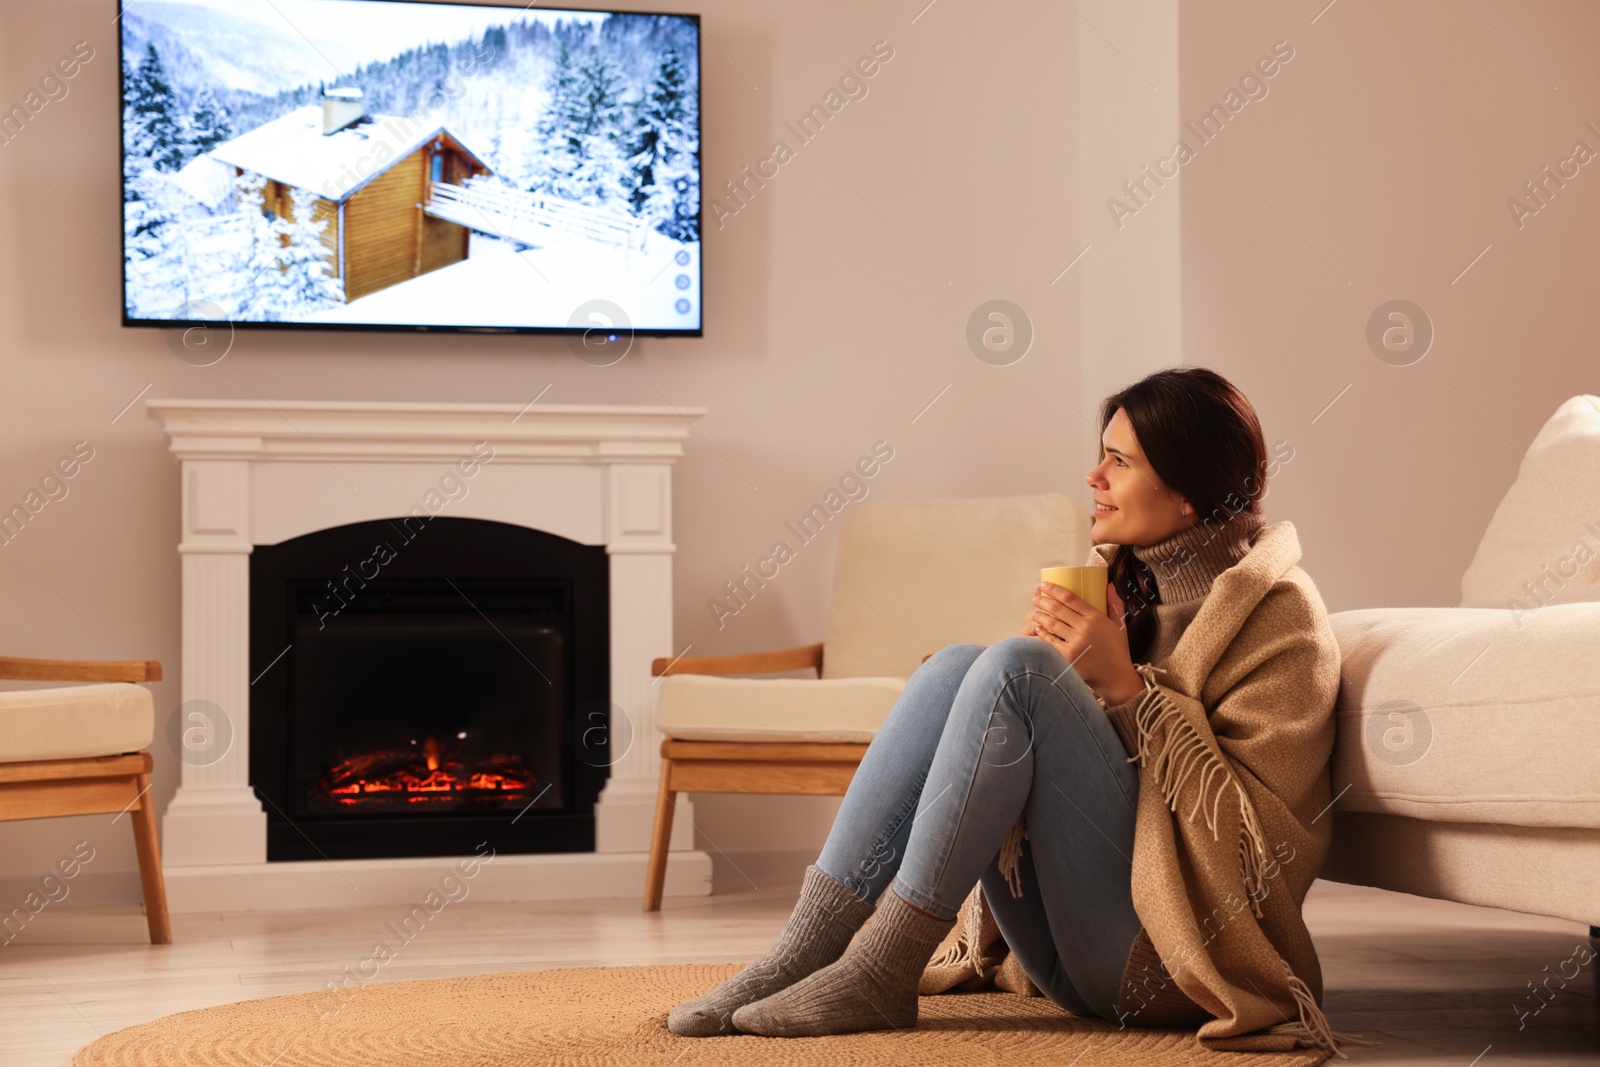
x=365, y=164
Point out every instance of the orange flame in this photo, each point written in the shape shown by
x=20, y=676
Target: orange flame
x=434, y=777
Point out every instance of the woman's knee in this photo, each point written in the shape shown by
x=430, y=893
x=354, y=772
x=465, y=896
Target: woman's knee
x=957, y=657
x=951, y=653
x=1019, y=653
x=1040, y=683
x=931, y=689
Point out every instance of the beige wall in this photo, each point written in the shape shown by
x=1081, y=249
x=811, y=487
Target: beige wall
x=1391, y=143
x=1129, y=283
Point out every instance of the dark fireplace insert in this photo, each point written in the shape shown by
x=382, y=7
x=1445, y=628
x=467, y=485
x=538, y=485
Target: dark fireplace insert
x=425, y=684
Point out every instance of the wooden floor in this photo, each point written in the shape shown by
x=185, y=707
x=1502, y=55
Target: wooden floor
x=1438, y=983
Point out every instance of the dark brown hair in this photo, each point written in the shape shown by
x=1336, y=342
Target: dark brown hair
x=1202, y=438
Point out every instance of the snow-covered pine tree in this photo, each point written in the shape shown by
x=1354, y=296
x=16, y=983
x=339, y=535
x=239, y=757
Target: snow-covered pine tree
x=156, y=281
x=155, y=111
x=132, y=129
x=291, y=277
x=675, y=199
x=135, y=157
x=311, y=283
x=494, y=50
x=151, y=206
x=435, y=100
x=247, y=279
x=137, y=217
x=208, y=123
x=664, y=153
x=644, y=143
x=604, y=175
x=582, y=131
x=555, y=155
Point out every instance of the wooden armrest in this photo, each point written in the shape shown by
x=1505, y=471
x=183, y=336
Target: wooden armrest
x=79, y=670
x=783, y=659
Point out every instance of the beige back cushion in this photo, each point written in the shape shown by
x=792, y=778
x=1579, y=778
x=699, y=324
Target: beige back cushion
x=916, y=575
x=1547, y=528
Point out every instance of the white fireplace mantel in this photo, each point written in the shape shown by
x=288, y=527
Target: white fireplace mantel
x=262, y=471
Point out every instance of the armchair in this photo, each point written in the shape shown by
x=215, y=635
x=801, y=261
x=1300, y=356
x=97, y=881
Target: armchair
x=911, y=578
x=83, y=750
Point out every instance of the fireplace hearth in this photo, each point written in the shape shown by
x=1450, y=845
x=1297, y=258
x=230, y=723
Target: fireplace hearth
x=439, y=700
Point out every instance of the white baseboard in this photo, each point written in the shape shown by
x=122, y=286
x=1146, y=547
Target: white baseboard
x=733, y=872
x=284, y=886
x=90, y=887
x=407, y=882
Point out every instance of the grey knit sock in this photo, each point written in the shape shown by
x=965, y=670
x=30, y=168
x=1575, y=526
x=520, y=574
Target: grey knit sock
x=873, y=986
x=821, y=925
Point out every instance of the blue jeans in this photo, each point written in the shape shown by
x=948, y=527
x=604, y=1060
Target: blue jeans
x=978, y=737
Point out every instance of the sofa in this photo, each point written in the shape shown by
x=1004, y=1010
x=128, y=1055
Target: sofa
x=1467, y=759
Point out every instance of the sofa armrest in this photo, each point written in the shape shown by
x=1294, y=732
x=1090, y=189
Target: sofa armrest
x=783, y=659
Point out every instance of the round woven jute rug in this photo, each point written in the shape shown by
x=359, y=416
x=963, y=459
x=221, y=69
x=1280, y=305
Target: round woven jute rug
x=618, y=1015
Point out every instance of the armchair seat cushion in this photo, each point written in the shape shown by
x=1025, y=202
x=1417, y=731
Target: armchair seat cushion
x=1470, y=715
x=75, y=721
x=694, y=707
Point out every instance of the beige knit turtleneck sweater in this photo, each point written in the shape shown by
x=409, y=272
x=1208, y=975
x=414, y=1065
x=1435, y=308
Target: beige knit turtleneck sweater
x=1185, y=565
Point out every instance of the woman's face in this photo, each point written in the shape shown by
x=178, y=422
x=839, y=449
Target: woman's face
x=1143, y=510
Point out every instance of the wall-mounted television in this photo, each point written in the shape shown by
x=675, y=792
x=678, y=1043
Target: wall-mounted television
x=369, y=164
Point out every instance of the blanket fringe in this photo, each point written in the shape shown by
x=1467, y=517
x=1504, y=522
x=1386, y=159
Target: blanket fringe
x=1011, y=856
x=1312, y=1028
x=1173, y=749
x=964, y=951
x=1181, y=751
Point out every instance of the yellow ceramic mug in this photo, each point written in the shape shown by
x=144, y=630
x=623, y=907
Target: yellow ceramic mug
x=1087, y=582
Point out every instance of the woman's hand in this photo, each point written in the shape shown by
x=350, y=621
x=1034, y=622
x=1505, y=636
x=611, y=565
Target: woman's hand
x=1095, y=644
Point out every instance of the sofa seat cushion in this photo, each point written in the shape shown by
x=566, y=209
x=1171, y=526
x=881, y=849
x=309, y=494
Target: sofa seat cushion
x=75, y=721
x=1469, y=715
x=695, y=707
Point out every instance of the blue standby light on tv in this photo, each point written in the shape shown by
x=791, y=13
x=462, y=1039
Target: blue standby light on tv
x=357, y=164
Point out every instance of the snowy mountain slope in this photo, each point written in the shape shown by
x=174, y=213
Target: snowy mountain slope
x=229, y=52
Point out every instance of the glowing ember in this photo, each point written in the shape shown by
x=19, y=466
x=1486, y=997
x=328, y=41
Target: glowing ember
x=427, y=774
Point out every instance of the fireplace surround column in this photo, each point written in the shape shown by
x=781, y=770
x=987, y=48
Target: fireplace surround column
x=216, y=815
x=639, y=505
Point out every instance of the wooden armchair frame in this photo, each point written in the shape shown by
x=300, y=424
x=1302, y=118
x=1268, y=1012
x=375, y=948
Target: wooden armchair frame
x=785, y=768
x=39, y=789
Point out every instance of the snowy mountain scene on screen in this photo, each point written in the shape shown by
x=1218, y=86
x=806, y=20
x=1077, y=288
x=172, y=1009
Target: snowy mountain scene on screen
x=360, y=163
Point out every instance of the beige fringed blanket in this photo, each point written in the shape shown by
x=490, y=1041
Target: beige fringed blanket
x=1239, y=732
x=974, y=956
